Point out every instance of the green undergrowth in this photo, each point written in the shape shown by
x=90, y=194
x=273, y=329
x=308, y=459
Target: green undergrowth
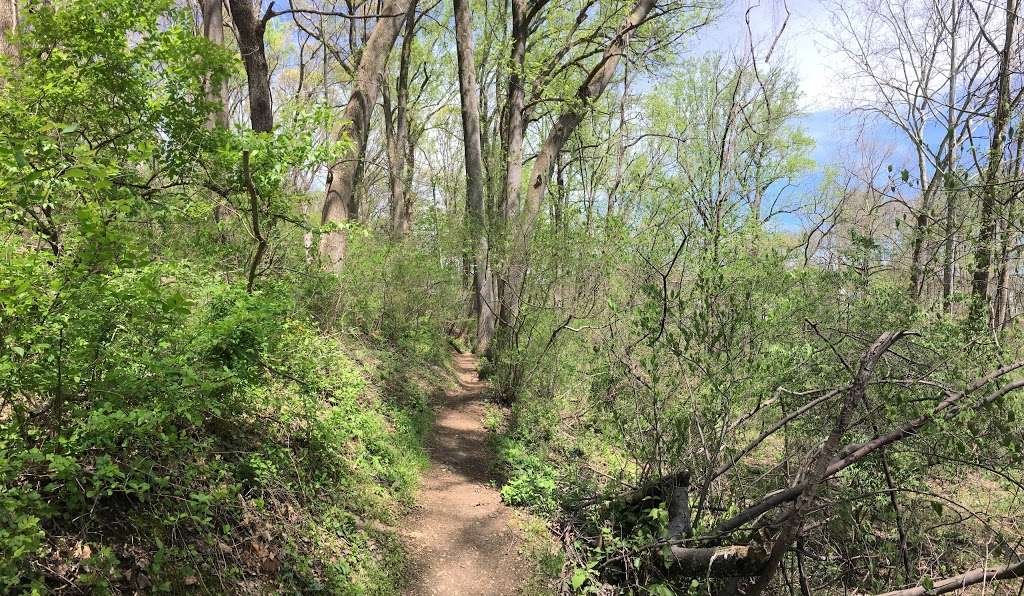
x=527, y=482
x=200, y=439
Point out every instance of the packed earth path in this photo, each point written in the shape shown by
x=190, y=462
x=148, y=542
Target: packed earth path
x=459, y=536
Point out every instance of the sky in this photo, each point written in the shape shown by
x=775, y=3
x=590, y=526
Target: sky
x=805, y=49
x=802, y=45
x=840, y=136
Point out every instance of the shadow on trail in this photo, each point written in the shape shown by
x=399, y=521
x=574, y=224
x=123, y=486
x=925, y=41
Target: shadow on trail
x=459, y=538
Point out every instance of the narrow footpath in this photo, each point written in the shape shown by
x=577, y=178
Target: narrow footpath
x=458, y=537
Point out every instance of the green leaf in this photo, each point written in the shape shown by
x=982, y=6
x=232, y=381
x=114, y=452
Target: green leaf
x=937, y=507
x=927, y=583
x=579, y=577
x=76, y=173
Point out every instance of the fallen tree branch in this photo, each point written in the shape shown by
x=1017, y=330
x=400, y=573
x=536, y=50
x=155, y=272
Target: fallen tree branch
x=855, y=452
x=817, y=470
x=959, y=582
x=723, y=561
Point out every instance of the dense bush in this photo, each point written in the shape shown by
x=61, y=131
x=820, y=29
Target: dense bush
x=684, y=366
x=161, y=428
x=178, y=430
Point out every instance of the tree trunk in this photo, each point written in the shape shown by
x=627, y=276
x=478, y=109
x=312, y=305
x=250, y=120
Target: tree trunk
x=596, y=82
x=515, y=125
x=723, y=561
x=396, y=131
x=917, y=273
x=963, y=581
x=1002, y=274
x=948, y=257
x=213, y=31
x=515, y=135
x=8, y=22
x=250, y=30
x=469, y=94
x=620, y=147
x=987, y=233
x=340, y=204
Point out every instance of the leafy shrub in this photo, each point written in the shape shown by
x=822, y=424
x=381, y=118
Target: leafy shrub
x=400, y=293
x=530, y=481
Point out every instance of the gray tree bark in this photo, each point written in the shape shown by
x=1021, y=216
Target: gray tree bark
x=515, y=124
x=396, y=131
x=213, y=31
x=8, y=22
x=476, y=218
x=340, y=203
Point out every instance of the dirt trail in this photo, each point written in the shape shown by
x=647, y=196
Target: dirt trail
x=458, y=536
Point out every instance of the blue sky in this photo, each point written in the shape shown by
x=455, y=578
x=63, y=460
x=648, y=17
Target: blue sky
x=839, y=135
x=805, y=49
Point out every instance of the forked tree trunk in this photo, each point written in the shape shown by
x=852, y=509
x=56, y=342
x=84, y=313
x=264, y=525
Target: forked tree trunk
x=250, y=30
x=340, y=203
x=476, y=219
x=592, y=88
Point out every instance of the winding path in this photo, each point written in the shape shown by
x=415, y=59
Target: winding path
x=458, y=537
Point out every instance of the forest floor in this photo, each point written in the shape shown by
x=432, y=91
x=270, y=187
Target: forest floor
x=460, y=538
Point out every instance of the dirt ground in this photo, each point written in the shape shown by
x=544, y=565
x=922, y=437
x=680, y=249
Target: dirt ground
x=459, y=536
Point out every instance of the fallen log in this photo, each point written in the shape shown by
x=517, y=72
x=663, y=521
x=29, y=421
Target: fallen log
x=959, y=582
x=723, y=561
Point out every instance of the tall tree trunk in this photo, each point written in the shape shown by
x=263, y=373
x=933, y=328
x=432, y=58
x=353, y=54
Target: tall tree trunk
x=594, y=85
x=514, y=137
x=1008, y=221
x=213, y=31
x=1002, y=274
x=987, y=232
x=250, y=30
x=8, y=22
x=920, y=234
x=620, y=148
x=560, y=205
x=340, y=204
x=469, y=94
x=396, y=131
x=515, y=124
x=948, y=175
x=948, y=256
